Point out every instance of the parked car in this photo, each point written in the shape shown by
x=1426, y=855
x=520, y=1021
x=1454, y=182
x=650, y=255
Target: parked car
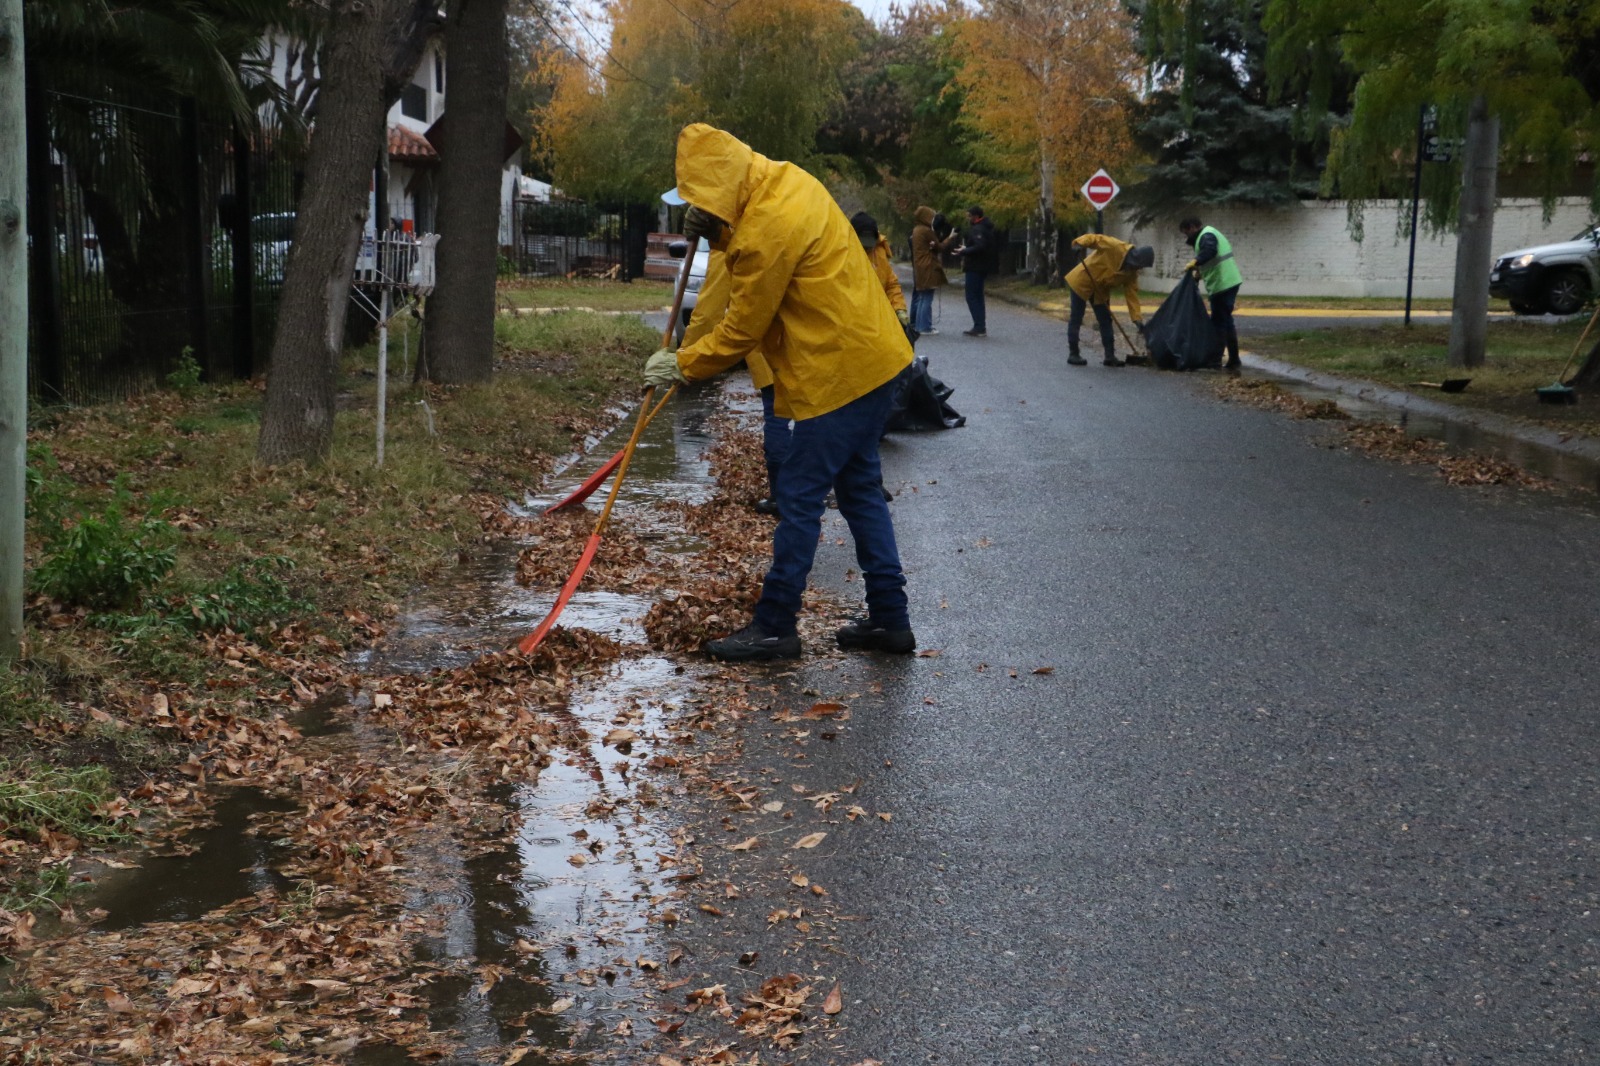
x=271, y=235
x=1554, y=278
x=697, y=278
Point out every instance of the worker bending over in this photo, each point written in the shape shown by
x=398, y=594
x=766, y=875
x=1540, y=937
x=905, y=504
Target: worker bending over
x=708, y=311
x=801, y=291
x=1110, y=264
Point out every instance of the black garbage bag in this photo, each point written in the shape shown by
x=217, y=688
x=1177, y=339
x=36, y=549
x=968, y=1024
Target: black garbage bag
x=1180, y=334
x=921, y=401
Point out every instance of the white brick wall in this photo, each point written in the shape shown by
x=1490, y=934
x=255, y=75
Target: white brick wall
x=1306, y=250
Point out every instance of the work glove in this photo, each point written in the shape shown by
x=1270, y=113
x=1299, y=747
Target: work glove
x=662, y=369
x=905, y=318
x=702, y=224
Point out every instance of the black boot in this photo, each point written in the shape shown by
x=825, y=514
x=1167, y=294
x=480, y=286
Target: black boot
x=1074, y=359
x=769, y=506
x=754, y=644
x=867, y=635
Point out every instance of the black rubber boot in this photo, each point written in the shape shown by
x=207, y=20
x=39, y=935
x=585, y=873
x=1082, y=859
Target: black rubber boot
x=867, y=635
x=769, y=505
x=1074, y=359
x=1111, y=360
x=754, y=644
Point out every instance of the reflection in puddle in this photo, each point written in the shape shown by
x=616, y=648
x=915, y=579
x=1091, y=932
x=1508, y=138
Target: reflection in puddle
x=228, y=862
x=1556, y=465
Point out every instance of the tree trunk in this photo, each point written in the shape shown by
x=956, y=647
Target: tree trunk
x=1469, y=318
x=372, y=48
x=461, y=311
x=1041, y=243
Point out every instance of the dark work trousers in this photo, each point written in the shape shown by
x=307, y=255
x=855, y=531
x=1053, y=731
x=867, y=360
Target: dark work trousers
x=838, y=451
x=980, y=317
x=774, y=440
x=1102, y=315
x=1222, y=318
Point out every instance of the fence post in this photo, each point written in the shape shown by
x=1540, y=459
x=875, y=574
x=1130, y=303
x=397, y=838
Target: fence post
x=13, y=331
x=244, y=260
x=194, y=224
x=44, y=277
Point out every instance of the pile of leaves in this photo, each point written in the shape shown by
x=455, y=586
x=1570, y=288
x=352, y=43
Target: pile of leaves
x=1470, y=468
x=1258, y=392
x=1384, y=441
x=263, y=980
x=683, y=620
x=547, y=562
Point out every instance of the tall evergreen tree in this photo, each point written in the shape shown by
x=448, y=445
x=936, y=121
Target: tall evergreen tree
x=1211, y=126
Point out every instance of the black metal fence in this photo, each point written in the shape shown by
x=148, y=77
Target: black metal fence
x=156, y=234
x=568, y=238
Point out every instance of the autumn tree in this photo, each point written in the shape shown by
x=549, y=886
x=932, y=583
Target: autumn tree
x=766, y=72
x=1510, y=78
x=1047, y=96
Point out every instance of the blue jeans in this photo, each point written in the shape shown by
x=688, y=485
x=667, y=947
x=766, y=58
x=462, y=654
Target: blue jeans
x=774, y=436
x=922, y=310
x=838, y=451
x=980, y=318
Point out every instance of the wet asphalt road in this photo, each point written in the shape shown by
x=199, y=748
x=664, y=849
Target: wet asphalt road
x=1315, y=777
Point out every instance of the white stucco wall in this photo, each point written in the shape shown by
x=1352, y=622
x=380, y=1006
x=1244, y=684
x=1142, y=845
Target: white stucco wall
x=1306, y=250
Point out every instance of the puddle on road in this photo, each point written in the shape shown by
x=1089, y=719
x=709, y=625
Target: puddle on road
x=228, y=862
x=553, y=929
x=1556, y=465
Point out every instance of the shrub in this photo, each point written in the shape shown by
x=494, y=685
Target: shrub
x=185, y=376
x=106, y=560
x=249, y=596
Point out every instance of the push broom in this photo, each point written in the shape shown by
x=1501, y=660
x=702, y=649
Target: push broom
x=619, y=462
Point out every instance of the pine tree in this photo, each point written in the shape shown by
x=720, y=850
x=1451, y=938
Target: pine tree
x=1211, y=127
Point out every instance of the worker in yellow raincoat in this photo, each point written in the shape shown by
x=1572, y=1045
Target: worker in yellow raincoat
x=877, y=248
x=709, y=308
x=801, y=292
x=1109, y=265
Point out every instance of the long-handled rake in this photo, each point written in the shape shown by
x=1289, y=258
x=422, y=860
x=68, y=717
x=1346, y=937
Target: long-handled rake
x=620, y=462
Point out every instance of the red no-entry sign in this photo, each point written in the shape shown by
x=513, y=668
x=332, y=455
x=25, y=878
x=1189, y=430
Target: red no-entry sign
x=1100, y=190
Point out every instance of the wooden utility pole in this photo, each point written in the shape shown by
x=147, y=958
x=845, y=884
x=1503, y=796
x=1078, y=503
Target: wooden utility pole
x=1469, y=314
x=13, y=327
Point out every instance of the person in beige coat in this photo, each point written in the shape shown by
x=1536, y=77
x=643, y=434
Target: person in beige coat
x=927, y=267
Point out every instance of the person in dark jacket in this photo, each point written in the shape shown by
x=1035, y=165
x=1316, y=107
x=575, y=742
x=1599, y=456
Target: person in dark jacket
x=1213, y=264
x=979, y=256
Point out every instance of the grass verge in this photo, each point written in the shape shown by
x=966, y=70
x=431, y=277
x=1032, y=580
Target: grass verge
x=1522, y=356
x=157, y=547
x=641, y=295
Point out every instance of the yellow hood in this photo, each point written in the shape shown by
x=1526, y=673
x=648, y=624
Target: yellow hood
x=716, y=170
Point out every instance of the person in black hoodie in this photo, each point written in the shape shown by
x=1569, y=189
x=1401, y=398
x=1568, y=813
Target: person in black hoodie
x=979, y=256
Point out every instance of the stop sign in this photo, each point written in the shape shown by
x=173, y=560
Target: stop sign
x=1100, y=190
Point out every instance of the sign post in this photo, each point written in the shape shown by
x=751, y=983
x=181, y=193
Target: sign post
x=1100, y=190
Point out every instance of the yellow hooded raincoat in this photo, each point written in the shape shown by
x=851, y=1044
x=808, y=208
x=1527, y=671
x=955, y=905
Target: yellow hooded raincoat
x=883, y=264
x=799, y=289
x=711, y=305
x=1101, y=272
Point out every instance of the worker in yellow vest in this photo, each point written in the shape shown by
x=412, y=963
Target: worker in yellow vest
x=1213, y=264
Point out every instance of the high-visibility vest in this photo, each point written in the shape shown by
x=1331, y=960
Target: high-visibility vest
x=1222, y=272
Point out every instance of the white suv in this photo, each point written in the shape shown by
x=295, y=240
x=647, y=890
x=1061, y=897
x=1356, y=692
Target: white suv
x=1555, y=278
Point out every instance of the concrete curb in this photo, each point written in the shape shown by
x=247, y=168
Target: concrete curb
x=1576, y=444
